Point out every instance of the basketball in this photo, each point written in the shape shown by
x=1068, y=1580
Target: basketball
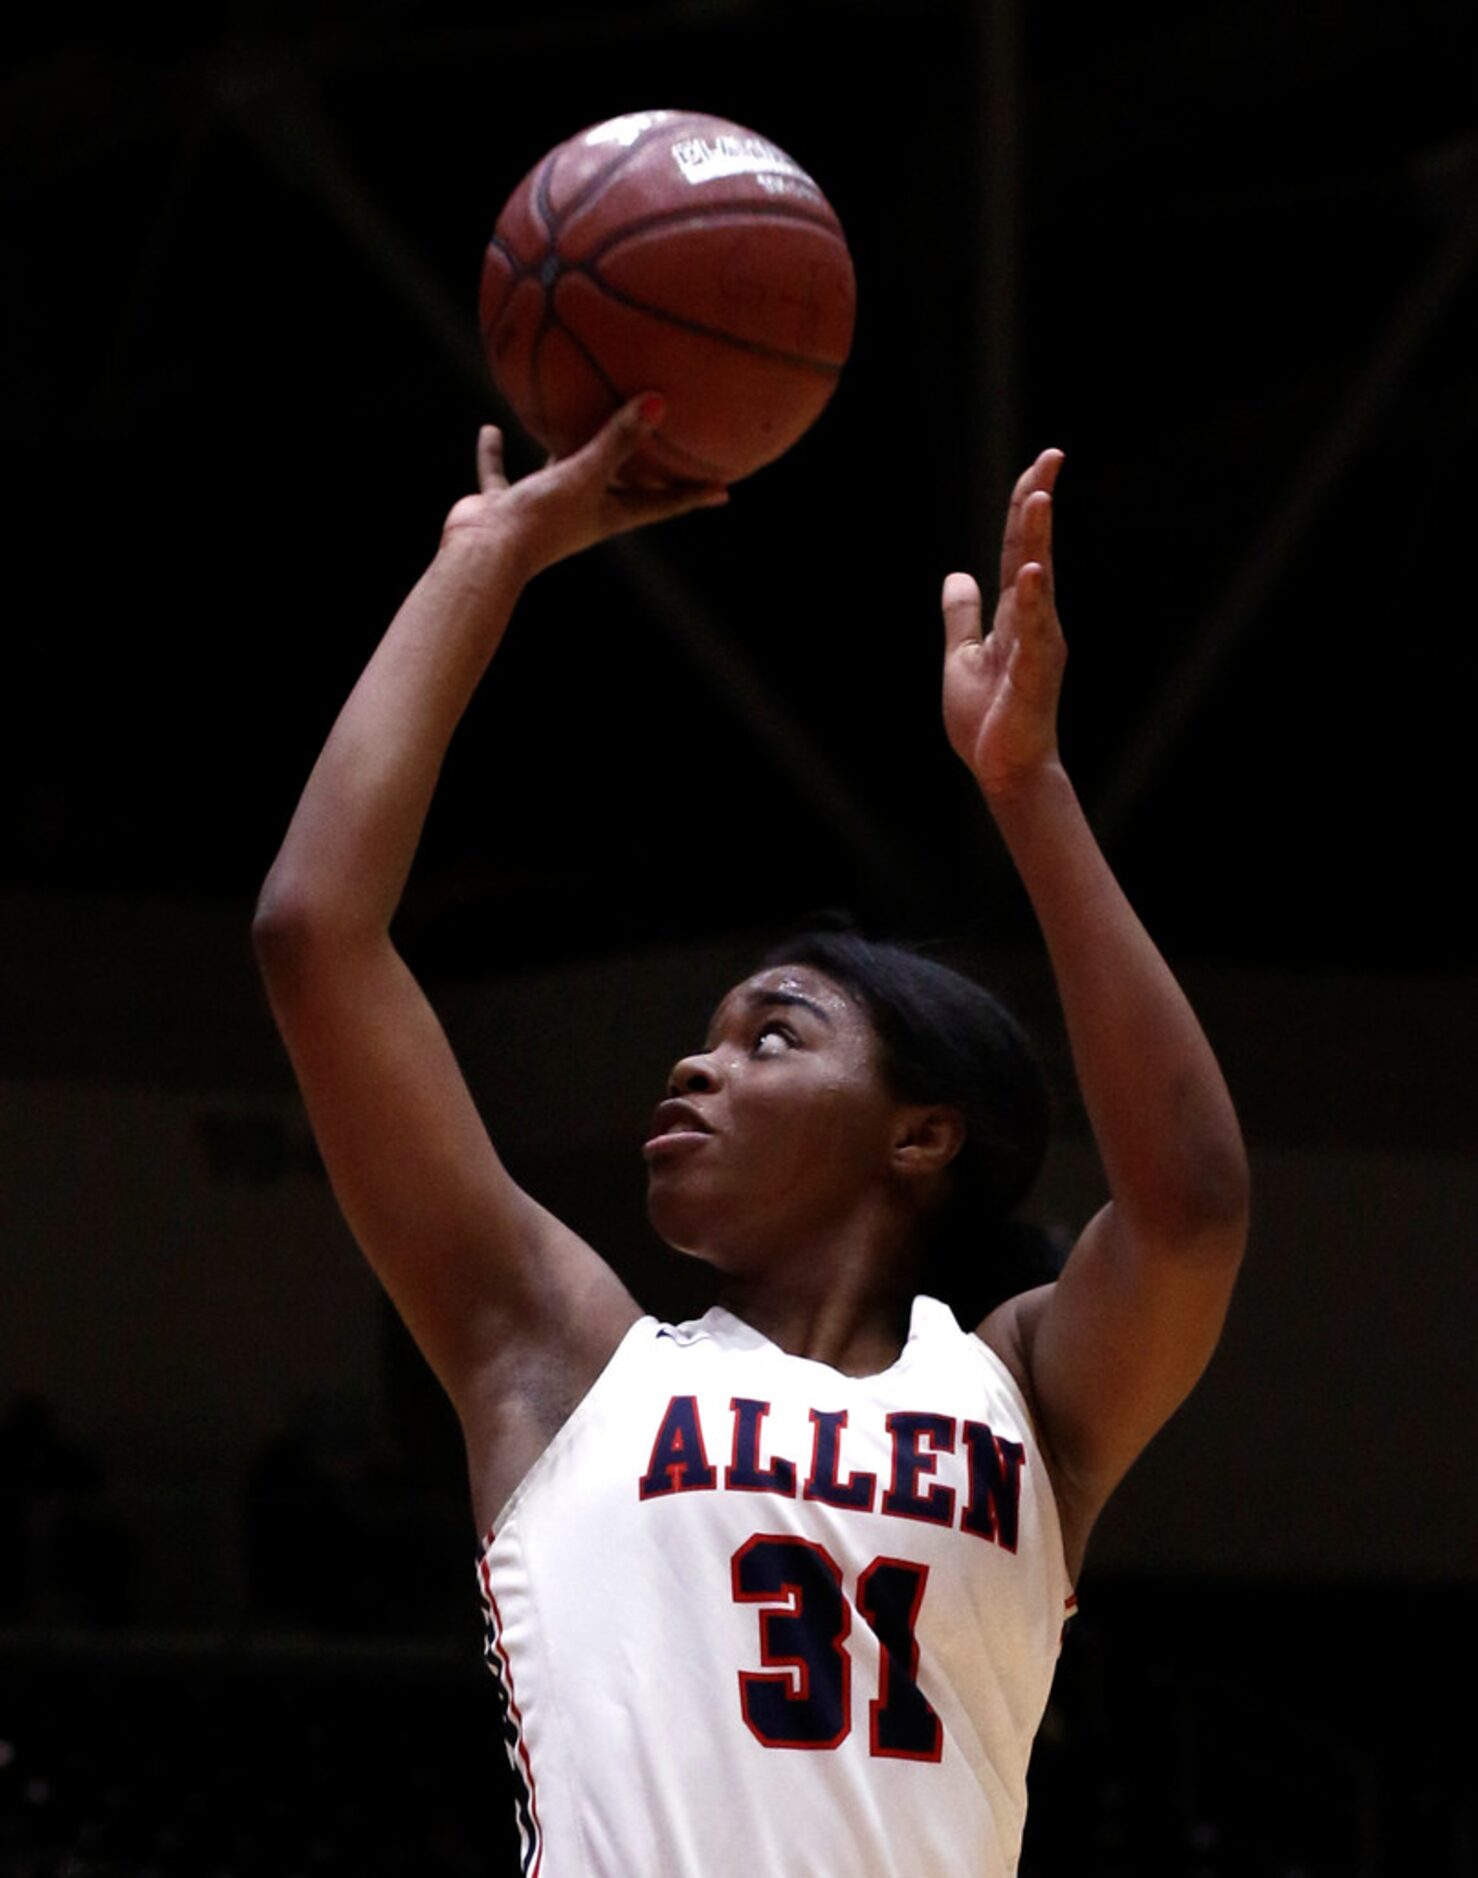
x=674, y=252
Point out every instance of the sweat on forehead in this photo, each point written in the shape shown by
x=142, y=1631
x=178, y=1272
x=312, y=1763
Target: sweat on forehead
x=789, y=987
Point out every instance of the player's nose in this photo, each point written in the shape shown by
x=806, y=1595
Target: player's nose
x=693, y=1075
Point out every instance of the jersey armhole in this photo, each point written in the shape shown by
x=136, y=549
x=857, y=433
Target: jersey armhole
x=1002, y=1371
x=567, y=1430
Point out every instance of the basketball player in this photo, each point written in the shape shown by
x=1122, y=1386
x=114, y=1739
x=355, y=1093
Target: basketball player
x=778, y=1591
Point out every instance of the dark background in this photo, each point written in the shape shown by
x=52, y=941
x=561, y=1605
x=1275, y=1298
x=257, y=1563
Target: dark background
x=241, y=387
x=1226, y=257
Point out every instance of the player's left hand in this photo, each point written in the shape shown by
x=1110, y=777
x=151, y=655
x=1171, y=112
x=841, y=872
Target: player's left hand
x=1001, y=689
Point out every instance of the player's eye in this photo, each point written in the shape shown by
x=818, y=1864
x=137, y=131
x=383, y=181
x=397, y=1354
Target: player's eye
x=769, y=1034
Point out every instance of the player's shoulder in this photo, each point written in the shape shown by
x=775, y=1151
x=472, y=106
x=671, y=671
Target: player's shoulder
x=1009, y=1332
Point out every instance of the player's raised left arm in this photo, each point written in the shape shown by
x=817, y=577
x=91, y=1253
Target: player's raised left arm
x=1112, y=1349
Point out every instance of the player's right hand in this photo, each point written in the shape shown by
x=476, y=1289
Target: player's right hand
x=574, y=501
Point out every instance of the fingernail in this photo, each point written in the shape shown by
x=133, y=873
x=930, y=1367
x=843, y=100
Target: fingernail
x=652, y=409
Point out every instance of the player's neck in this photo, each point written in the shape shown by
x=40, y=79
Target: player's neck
x=853, y=1327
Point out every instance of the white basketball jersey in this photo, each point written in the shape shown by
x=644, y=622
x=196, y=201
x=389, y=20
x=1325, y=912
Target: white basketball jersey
x=753, y=1618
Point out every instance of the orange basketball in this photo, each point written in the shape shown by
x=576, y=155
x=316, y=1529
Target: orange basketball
x=674, y=252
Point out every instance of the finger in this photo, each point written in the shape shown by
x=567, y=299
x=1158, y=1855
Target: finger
x=1011, y=556
x=1032, y=609
x=625, y=433
x=960, y=602
x=1039, y=475
x=1038, y=655
x=1036, y=533
x=490, y=471
x=637, y=507
x=1038, y=641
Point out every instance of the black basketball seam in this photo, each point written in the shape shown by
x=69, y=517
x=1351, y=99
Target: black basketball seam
x=755, y=346
x=590, y=359
x=733, y=211
x=596, y=184
x=520, y=272
x=540, y=193
x=724, y=212
x=716, y=470
x=822, y=219
x=613, y=392
x=546, y=325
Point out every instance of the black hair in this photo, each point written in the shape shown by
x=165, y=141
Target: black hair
x=944, y=1038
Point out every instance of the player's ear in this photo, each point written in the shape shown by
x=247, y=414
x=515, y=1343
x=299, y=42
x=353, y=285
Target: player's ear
x=926, y=1139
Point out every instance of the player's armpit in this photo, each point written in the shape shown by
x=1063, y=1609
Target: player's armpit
x=484, y=1277
x=1111, y=1350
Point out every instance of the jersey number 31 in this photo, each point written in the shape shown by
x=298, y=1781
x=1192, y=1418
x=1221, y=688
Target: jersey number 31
x=802, y=1697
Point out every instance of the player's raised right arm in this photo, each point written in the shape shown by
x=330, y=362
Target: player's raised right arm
x=484, y=1277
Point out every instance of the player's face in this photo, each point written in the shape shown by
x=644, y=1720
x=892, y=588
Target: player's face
x=777, y=1129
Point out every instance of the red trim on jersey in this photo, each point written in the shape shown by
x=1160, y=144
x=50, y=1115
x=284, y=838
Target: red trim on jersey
x=495, y=1641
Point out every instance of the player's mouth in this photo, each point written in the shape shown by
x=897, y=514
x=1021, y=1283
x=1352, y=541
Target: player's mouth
x=675, y=1125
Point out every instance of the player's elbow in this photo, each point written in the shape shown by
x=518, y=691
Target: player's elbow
x=280, y=943
x=1193, y=1208
x=281, y=927
x=1200, y=1189
x=1226, y=1208
x=1212, y=1207
x=290, y=931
